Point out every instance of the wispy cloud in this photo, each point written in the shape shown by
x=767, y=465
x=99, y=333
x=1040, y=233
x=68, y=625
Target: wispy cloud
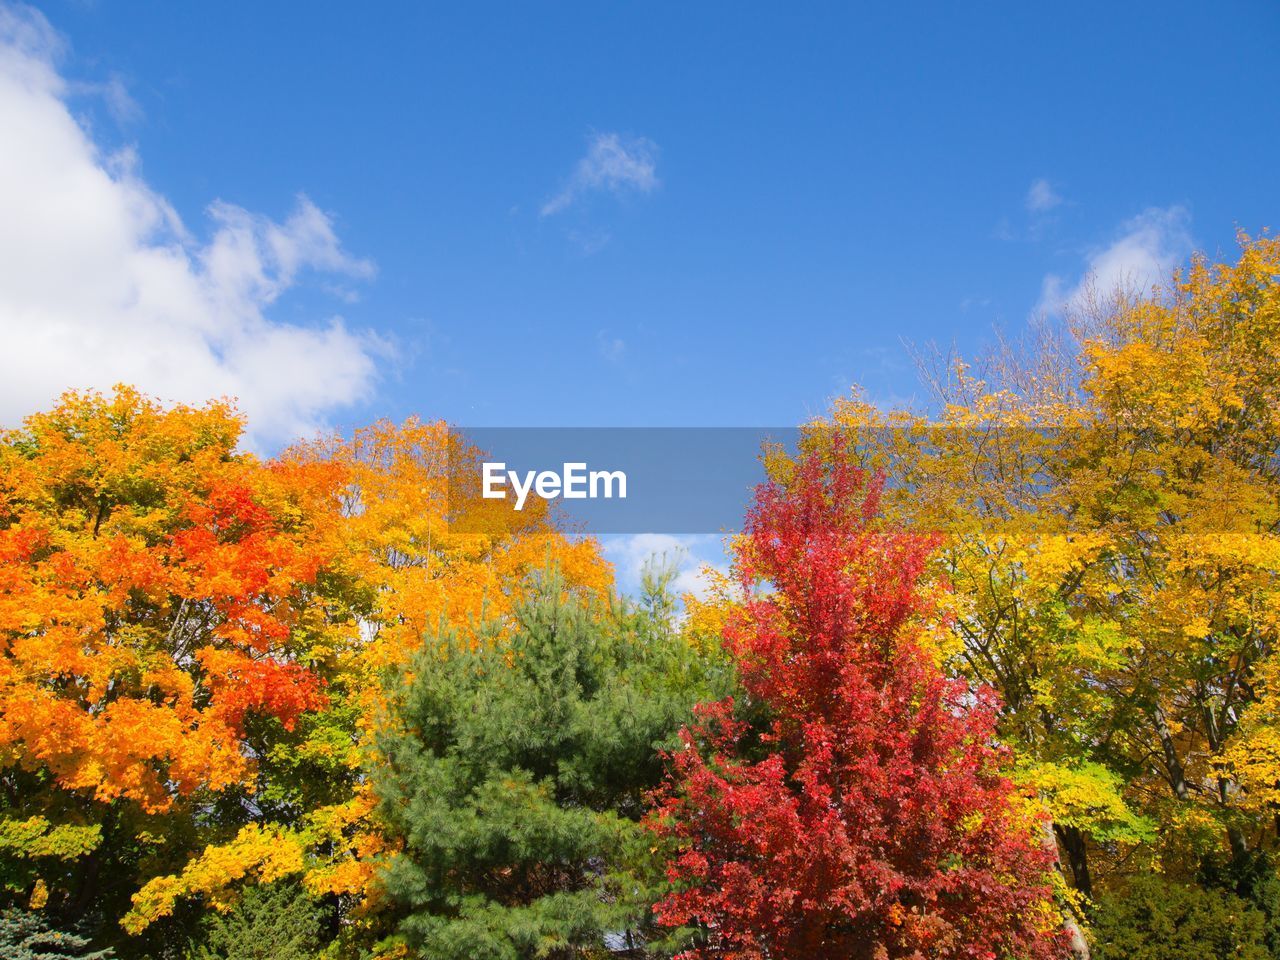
x=589, y=241
x=101, y=282
x=687, y=556
x=114, y=93
x=1042, y=197
x=1145, y=250
x=613, y=164
x=611, y=348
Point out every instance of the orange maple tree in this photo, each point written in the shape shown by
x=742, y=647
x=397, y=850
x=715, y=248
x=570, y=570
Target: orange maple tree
x=156, y=587
x=191, y=641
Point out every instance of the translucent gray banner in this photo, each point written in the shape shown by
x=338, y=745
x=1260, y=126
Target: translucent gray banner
x=614, y=480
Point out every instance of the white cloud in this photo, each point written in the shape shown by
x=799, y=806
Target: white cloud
x=114, y=93
x=1041, y=197
x=613, y=163
x=689, y=556
x=611, y=348
x=589, y=241
x=1144, y=252
x=101, y=283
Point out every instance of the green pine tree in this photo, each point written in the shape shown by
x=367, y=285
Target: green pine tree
x=274, y=922
x=518, y=778
x=28, y=936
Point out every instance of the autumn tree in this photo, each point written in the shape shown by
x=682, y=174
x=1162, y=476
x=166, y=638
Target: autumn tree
x=1109, y=497
x=162, y=600
x=192, y=638
x=415, y=567
x=854, y=803
x=515, y=774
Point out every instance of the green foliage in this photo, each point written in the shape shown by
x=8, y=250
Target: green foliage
x=25, y=844
x=1089, y=796
x=1157, y=919
x=278, y=921
x=28, y=936
x=1253, y=877
x=519, y=776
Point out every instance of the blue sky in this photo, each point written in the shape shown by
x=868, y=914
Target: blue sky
x=597, y=214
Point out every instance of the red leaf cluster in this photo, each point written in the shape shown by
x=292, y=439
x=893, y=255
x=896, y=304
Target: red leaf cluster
x=241, y=685
x=868, y=816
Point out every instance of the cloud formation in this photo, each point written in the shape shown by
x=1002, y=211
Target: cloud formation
x=613, y=164
x=1144, y=252
x=100, y=281
x=611, y=348
x=687, y=556
x=1041, y=197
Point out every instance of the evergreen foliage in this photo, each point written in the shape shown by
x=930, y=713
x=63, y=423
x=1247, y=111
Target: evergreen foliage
x=277, y=921
x=519, y=773
x=1158, y=919
x=28, y=936
x=1253, y=878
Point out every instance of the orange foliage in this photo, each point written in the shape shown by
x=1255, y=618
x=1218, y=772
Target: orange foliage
x=152, y=586
x=172, y=609
x=434, y=548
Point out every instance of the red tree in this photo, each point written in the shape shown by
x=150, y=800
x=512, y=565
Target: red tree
x=871, y=818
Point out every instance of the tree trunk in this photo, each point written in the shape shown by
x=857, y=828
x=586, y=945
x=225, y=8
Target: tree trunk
x=1239, y=845
x=1072, y=841
x=1079, y=945
x=1172, y=762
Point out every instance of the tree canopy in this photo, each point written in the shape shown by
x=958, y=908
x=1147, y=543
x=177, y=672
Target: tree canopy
x=993, y=680
x=516, y=772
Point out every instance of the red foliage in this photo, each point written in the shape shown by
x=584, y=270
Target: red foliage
x=871, y=818
x=243, y=685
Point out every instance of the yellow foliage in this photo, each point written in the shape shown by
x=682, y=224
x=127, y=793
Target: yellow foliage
x=1109, y=499
x=37, y=837
x=266, y=854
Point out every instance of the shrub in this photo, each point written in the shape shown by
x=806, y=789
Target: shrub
x=1153, y=918
x=278, y=921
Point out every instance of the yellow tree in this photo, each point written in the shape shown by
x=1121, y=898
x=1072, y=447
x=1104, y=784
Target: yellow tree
x=1110, y=499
